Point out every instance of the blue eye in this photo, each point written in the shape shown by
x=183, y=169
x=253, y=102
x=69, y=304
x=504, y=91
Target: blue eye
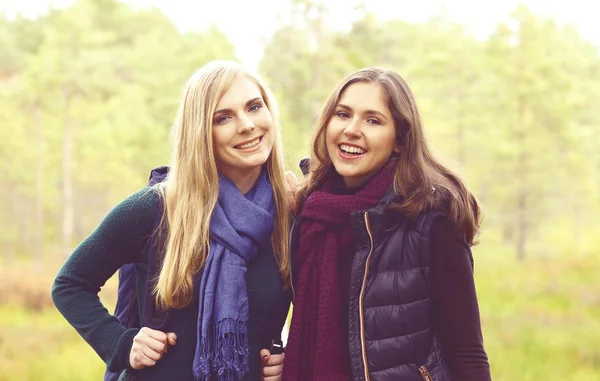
x=255, y=107
x=342, y=114
x=222, y=119
x=373, y=121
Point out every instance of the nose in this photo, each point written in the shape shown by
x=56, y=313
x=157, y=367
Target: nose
x=246, y=125
x=352, y=129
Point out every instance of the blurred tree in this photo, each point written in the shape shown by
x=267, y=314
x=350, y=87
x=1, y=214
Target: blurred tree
x=90, y=99
x=533, y=93
x=86, y=100
x=512, y=113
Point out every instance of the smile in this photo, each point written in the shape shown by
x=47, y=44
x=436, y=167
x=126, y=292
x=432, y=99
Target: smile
x=351, y=150
x=249, y=144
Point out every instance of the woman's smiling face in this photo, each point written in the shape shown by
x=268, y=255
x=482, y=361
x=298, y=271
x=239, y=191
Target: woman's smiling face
x=361, y=134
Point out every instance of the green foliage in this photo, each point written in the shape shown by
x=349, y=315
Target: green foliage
x=86, y=104
x=512, y=114
x=88, y=93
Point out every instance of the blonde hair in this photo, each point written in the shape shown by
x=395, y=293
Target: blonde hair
x=420, y=179
x=190, y=191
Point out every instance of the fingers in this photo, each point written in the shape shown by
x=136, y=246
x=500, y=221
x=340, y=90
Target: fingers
x=152, y=354
x=274, y=360
x=271, y=371
x=171, y=338
x=157, y=335
x=292, y=182
x=149, y=346
x=154, y=340
x=265, y=354
x=273, y=378
x=291, y=187
x=140, y=361
x=272, y=365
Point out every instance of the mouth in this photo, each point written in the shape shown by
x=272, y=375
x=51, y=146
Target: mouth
x=351, y=150
x=249, y=144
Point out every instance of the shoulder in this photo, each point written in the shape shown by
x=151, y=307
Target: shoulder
x=139, y=209
x=442, y=228
x=428, y=219
x=145, y=198
x=447, y=245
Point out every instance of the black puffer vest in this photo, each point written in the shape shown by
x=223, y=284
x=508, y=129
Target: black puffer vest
x=390, y=323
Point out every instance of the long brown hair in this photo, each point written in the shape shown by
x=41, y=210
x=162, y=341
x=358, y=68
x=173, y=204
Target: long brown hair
x=190, y=190
x=421, y=181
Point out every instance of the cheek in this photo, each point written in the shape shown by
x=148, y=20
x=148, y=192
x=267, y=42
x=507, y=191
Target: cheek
x=218, y=137
x=264, y=120
x=269, y=139
x=331, y=134
x=387, y=142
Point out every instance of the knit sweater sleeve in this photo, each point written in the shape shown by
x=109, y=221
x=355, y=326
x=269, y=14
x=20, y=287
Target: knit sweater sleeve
x=456, y=311
x=119, y=239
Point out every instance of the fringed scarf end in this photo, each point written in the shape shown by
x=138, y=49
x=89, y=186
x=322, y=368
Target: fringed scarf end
x=225, y=354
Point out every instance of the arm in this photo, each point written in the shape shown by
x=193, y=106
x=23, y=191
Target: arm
x=455, y=307
x=119, y=239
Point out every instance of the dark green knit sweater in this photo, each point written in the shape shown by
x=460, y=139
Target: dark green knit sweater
x=124, y=237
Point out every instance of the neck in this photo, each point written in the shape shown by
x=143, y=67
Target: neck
x=244, y=180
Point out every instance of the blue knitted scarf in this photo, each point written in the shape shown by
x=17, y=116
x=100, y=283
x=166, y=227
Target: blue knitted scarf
x=239, y=225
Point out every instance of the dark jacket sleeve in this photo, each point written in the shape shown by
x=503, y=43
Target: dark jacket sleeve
x=455, y=307
x=119, y=239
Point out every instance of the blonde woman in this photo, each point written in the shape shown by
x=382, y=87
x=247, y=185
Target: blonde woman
x=206, y=243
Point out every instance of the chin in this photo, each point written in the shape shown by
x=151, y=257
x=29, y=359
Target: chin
x=258, y=162
x=346, y=170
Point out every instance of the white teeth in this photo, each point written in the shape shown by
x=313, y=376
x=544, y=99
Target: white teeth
x=249, y=144
x=352, y=149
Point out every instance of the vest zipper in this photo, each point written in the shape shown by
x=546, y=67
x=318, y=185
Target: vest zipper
x=361, y=301
x=291, y=264
x=425, y=374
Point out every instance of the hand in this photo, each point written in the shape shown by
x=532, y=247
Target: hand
x=291, y=187
x=272, y=365
x=149, y=346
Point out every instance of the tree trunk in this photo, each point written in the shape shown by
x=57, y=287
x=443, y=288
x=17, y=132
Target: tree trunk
x=461, y=133
x=522, y=226
x=11, y=213
x=39, y=182
x=462, y=149
x=67, y=182
x=317, y=35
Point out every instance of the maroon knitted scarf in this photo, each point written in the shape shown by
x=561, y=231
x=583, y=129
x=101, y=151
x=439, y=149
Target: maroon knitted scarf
x=317, y=346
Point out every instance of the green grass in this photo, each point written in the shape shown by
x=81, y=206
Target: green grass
x=541, y=318
x=41, y=346
x=541, y=321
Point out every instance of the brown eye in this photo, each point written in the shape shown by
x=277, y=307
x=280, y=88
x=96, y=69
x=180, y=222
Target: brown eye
x=255, y=107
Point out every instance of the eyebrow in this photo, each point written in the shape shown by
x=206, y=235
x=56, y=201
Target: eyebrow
x=368, y=112
x=224, y=110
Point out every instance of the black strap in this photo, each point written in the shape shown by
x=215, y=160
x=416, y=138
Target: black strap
x=277, y=323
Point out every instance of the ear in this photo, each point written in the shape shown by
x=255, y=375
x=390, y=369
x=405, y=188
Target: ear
x=397, y=148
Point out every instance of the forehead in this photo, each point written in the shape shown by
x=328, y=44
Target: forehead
x=365, y=96
x=241, y=90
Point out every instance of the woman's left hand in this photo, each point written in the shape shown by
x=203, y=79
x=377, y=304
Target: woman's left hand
x=272, y=365
x=291, y=187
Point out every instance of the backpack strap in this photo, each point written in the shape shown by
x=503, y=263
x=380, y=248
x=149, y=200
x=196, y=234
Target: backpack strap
x=277, y=322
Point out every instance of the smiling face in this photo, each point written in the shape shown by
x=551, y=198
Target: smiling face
x=361, y=134
x=242, y=129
